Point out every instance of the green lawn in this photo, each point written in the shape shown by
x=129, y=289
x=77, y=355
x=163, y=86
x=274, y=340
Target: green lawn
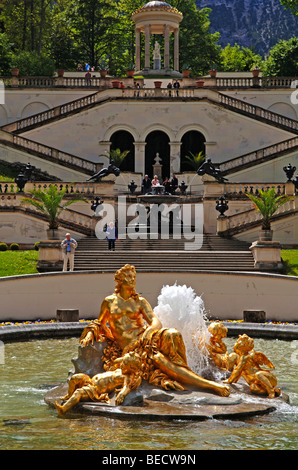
x=290, y=259
x=14, y=263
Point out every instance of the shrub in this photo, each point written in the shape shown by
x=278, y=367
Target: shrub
x=3, y=247
x=14, y=247
x=31, y=64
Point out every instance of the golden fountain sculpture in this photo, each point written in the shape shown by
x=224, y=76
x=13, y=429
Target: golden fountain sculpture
x=128, y=325
x=139, y=348
x=244, y=362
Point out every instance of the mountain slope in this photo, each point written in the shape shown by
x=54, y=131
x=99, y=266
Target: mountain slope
x=256, y=23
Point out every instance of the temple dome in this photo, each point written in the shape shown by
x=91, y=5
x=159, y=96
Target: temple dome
x=157, y=6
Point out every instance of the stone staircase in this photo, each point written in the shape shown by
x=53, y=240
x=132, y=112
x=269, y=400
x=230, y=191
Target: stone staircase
x=164, y=255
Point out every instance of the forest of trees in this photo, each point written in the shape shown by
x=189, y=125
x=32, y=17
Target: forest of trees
x=39, y=36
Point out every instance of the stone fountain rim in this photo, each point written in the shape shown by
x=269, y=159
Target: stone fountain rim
x=40, y=331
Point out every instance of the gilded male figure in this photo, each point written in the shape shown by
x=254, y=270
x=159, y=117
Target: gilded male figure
x=127, y=322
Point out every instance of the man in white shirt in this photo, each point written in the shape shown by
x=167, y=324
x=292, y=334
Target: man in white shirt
x=68, y=249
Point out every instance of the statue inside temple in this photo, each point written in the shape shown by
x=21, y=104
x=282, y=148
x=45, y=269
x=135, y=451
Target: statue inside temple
x=157, y=56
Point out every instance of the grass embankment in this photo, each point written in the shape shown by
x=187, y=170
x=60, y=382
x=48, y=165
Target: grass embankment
x=15, y=263
x=290, y=260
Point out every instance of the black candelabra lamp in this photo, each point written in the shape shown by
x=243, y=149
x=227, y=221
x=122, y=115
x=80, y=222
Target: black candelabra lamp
x=96, y=203
x=183, y=187
x=132, y=186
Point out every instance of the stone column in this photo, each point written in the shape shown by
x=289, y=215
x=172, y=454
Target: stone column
x=147, y=47
x=104, y=147
x=140, y=157
x=167, y=47
x=138, y=49
x=176, y=49
x=175, y=157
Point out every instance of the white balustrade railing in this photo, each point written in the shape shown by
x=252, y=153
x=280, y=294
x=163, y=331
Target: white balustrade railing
x=257, y=111
x=245, y=218
x=286, y=145
x=70, y=216
x=43, y=150
x=240, y=189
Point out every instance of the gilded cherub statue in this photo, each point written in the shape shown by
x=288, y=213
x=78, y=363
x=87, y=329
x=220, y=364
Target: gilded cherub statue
x=83, y=388
x=248, y=366
x=127, y=322
x=217, y=348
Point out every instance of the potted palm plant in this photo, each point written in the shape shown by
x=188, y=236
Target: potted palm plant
x=49, y=203
x=116, y=156
x=195, y=161
x=267, y=202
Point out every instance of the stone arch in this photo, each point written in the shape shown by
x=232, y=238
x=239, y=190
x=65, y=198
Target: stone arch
x=34, y=107
x=157, y=127
x=120, y=127
x=284, y=108
x=124, y=140
x=3, y=115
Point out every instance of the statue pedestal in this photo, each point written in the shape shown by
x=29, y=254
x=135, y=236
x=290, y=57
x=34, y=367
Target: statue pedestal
x=267, y=255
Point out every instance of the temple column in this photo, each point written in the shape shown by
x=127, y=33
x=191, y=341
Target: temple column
x=175, y=157
x=176, y=49
x=140, y=157
x=147, y=47
x=138, y=49
x=167, y=47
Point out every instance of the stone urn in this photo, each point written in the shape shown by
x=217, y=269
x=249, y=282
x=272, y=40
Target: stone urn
x=15, y=72
x=213, y=73
x=60, y=72
x=115, y=84
x=255, y=72
x=157, y=84
x=200, y=83
x=185, y=73
x=103, y=73
x=53, y=234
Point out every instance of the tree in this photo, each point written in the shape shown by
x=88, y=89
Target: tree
x=92, y=24
x=27, y=23
x=49, y=203
x=5, y=54
x=292, y=5
x=63, y=48
x=267, y=203
x=237, y=58
x=283, y=59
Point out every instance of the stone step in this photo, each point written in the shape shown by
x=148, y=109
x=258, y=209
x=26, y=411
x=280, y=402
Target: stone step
x=209, y=243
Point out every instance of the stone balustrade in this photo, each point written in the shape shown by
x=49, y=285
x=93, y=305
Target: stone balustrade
x=95, y=81
x=242, y=220
x=266, y=152
x=84, y=189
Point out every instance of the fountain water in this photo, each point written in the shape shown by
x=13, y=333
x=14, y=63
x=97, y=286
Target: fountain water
x=179, y=307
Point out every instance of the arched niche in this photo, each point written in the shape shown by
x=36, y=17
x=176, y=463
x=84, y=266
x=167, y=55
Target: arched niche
x=157, y=142
x=192, y=142
x=124, y=140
